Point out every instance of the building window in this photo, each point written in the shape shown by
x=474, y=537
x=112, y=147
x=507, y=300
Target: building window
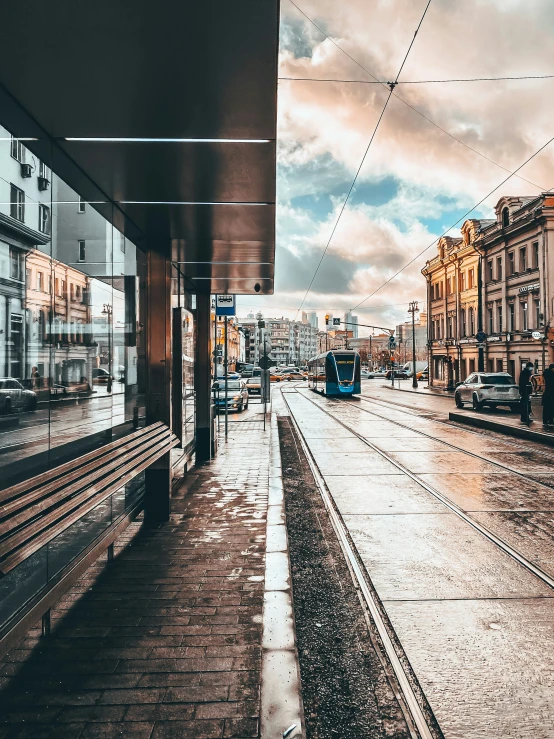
x=524, y=316
x=17, y=150
x=40, y=282
x=44, y=219
x=57, y=285
x=449, y=327
x=523, y=259
x=490, y=320
x=463, y=327
x=511, y=264
x=462, y=281
x=512, y=317
x=470, y=276
x=17, y=203
x=499, y=268
x=78, y=292
x=49, y=284
x=82, y=205
x=489, y=271
x=42, y=170
x=16, y=264
x=72, y=291
x=536, y=255
x=537, y=313
x=499, y=318
x=471, y=322
x=505, y=217
x=82, y=251
x=64, y=289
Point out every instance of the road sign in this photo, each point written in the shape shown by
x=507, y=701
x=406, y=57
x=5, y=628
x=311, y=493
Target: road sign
x=265, y=363
x=536, y=335
x=225, y=305
x=336, y=321
x=481, y=336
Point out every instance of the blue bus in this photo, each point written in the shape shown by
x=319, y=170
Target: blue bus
x=335, y=373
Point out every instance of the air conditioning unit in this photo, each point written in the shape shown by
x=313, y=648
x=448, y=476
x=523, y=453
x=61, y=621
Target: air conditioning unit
x=26, y=170
x=43, y=183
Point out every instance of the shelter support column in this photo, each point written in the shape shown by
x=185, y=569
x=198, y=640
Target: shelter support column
x=204, y=431
x=157, y=503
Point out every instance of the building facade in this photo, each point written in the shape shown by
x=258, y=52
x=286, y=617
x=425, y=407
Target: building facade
x=495, y=281
x=404, y=340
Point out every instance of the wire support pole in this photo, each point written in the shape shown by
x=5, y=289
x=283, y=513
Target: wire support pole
x=413, y=309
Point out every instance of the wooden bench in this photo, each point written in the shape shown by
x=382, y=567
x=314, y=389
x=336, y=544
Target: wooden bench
x=36, y=511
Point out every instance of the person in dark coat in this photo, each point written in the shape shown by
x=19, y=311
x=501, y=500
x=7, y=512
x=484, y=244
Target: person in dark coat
x=525, y=390
x=548, y=396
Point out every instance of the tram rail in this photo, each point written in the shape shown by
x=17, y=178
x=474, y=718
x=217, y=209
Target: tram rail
x=417, y=714
x=497, y=540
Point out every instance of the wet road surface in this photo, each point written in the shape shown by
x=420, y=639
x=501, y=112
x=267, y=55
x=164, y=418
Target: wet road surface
x=475, y=623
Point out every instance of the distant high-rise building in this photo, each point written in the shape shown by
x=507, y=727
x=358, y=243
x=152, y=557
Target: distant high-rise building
x=312, y=319
x=351, y=323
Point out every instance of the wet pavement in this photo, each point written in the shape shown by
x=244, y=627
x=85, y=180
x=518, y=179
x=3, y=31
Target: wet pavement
x=188, y=632
x=475, y=624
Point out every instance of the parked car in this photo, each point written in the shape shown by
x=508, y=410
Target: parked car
x=487, y=388
x=14, y=397
x=236, y=398
x=100, y=376
x=254, y=385
x=375, y=374
x=399, y=374
x=288, y=376
x=275, y=376
x=423, y=375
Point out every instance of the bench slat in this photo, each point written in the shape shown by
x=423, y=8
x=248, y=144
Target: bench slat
x=82, y=478
x=114, y=482
x=57, y=472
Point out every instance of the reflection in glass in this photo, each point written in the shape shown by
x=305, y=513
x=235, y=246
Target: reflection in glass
x=72, y=337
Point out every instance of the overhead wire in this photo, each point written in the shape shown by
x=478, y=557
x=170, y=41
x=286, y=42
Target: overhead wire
x=402, y=100
x=420, y=82
x=466, y=214
x=391, y=91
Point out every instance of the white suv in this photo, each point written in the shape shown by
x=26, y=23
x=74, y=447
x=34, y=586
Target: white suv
x=487, y=388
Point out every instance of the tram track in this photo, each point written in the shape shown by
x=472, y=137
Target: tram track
x=419, y=721
x=511, y=444
x=453, y=507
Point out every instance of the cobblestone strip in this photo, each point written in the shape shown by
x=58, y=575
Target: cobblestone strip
x=281, y=697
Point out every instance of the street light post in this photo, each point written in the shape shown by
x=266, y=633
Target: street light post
x=413, y=309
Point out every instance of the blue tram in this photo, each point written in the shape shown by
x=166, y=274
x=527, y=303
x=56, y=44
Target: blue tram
x=335, y=373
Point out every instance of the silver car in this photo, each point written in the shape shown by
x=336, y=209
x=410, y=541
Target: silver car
x=237, y=395
x=487, y=388
x=14, y=397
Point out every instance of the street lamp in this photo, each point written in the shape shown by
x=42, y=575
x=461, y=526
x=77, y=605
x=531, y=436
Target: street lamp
x=107, y=310
x=413, y=309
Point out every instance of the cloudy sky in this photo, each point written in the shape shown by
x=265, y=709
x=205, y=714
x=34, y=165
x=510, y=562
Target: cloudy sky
x=417, y=180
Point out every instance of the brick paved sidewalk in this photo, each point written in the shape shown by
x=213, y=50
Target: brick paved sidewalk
x=166, y=640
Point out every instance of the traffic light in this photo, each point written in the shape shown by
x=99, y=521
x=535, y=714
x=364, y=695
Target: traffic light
x=327, y=319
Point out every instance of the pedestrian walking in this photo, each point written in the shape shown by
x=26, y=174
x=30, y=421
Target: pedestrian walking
x=548, y=397
x=525, y=390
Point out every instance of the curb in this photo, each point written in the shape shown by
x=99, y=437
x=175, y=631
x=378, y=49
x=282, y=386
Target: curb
x=282, y=711
x=501, y=428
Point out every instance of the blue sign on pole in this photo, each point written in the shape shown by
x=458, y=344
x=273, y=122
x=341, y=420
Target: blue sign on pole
x=225, y=305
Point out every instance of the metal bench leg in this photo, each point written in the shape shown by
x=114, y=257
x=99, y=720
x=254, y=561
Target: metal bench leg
x=110, y=553
x=46, y=623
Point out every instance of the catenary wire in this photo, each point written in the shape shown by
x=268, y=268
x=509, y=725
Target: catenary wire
x=391, y=91
x=417, y=256
x=420, y=82
x=402, y=100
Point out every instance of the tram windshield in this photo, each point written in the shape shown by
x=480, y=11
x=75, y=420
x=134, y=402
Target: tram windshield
x=345, y=366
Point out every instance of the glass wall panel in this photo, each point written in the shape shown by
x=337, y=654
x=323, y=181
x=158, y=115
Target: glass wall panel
x=25, y=270
x=72, y=319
